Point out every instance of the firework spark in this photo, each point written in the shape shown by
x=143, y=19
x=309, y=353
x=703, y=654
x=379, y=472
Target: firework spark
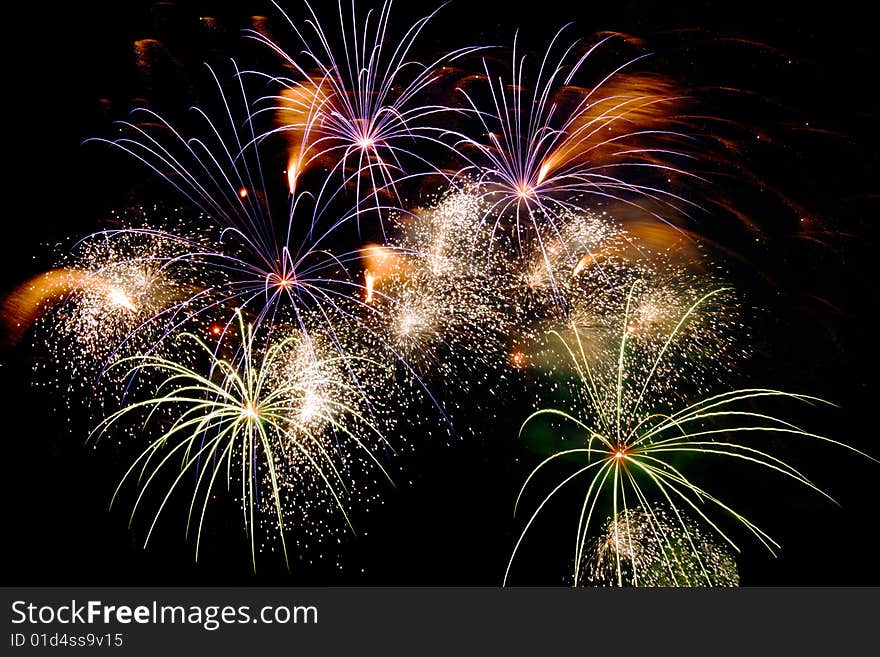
x=439, y=308
x=117, y=296
x=655, y=549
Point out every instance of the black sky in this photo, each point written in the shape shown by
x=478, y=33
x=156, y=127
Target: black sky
x=70, y=70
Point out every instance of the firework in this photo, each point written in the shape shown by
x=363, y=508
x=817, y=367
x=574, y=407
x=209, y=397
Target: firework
x=628, y=439
x=552, y=145
x=271, y=341
x=354, y=106
x=654, y=549
x=438, y=306
x=284, y=418
x=119, y=294
x=271, y=265
x=276, y=271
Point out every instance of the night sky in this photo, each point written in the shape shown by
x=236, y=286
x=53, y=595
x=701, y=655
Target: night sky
x=71, y=71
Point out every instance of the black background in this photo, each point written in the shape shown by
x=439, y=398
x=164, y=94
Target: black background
x=69, y=70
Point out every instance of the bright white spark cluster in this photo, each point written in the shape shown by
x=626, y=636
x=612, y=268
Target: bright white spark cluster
x=648, y=546
x=442, y=309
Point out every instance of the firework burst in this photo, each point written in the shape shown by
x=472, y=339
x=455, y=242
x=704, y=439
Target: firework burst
x=280, y=418
x=438, y=305
x=120, y=293
x=654, y=549
x=631, y=440
x=353, y=104
x=265, y=265
x=552, y=145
